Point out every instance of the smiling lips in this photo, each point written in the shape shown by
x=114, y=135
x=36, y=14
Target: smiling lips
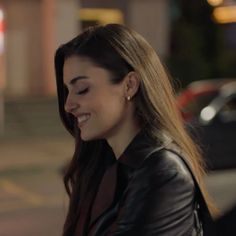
x=82, y=119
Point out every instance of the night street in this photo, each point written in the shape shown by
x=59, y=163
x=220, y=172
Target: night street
x=97, y=69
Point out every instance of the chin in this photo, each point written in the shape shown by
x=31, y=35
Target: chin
x=94, y=133
x=89, y=137
x=86, y=138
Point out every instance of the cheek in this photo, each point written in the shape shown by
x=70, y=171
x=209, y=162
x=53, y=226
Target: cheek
x=111, y=109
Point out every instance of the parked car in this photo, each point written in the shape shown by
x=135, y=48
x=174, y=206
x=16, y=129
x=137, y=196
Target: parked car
x=214, y=128
x=197, y=95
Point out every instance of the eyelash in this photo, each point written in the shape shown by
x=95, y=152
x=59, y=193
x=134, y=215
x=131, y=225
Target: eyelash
x=83, y=91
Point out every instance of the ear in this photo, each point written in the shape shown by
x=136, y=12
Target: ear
x=131, y=82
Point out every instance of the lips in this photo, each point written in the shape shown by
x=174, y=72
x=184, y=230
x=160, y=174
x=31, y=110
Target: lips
x=82, y=119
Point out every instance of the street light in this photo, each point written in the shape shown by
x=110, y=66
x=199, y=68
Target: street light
x=101, y=15
x=225, y=14
x=224, y=10
x=215, y=2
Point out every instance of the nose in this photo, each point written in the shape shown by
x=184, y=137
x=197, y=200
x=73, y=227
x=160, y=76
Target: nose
x=70, y=105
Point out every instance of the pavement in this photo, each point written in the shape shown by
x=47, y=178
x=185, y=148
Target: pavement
x=32, y=194
x=33, y=199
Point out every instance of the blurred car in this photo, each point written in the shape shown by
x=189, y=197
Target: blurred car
x=197, y=95
x=215, y=128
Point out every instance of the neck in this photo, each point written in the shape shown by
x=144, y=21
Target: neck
x=120, y=141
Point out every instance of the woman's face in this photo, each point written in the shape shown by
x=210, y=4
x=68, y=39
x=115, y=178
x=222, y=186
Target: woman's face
x=98, y=105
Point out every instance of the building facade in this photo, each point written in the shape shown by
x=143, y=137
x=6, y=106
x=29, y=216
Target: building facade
x=33, y=29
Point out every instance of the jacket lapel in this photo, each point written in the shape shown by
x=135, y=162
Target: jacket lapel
x=105, y=195
x=132, y=158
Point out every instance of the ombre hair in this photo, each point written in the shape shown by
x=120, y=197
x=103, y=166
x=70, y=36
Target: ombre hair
x=156, y=102
x=121, y=50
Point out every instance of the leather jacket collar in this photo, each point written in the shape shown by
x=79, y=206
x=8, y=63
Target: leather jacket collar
x=140, y=147
x=137, y=149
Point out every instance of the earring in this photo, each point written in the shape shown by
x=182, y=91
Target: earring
x=128, y=98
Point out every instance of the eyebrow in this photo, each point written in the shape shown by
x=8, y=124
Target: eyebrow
x=74, y=80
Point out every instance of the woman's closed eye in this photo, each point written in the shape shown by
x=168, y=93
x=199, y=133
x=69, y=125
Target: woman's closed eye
x=83, y=91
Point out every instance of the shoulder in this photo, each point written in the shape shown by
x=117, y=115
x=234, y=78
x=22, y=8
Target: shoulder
x=159, y=195
x=161, y=182
x=165, y=166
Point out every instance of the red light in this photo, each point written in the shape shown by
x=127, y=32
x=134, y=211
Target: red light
x=1, y=21
x=1, y=26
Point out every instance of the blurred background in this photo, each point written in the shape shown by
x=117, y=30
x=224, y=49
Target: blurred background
x=196, y=40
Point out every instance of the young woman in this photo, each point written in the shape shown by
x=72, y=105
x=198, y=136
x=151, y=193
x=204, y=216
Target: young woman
x=135, y=170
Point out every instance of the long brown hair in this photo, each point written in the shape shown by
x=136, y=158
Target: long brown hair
x=120, y=50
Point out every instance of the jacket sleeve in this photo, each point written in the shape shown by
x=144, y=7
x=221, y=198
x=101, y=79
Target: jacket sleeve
x=158, y=201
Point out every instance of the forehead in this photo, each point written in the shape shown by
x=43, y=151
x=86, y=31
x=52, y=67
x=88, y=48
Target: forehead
x=75, y=66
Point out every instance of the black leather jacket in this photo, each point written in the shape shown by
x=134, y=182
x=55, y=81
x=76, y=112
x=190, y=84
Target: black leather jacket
x=148, y=191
